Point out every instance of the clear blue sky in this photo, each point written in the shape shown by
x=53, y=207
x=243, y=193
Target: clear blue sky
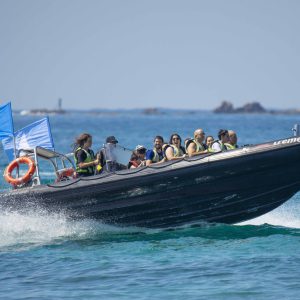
x=165, y=53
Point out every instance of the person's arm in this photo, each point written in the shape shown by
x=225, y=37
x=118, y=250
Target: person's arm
x=89, y=164
x=149, y=162
x=191, y=150
x=161, y=161
x=81, y=156
x=170, y=154
x=149, y=157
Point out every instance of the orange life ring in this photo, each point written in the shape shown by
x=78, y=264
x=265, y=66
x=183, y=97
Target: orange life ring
x=70, y=172
x=14, y=164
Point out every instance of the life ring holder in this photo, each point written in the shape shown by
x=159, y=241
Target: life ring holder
x=68, y=172
x=14, y=164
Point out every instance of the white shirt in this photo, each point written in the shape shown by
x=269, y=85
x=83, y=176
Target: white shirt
x=216, y=147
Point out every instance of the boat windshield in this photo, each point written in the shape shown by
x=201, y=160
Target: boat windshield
x=117, y=154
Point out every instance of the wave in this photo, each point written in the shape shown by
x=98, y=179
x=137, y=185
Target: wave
x=23, y=230
x=20, y=231
x=287, y=215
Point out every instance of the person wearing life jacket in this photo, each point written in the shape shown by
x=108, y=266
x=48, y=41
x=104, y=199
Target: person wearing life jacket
x=174, y=151
x=156, y=155
x=84, y=157
x=141, y=153
x=134, y=161
x=232, y=144
x=107, y=157
x=196, y=145
x=137, y=158
x=220, y=144
x=208, y=141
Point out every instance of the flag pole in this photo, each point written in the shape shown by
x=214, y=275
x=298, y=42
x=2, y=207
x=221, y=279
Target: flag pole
x=13, y=131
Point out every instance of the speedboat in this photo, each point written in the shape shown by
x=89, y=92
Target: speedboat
x=225, y=187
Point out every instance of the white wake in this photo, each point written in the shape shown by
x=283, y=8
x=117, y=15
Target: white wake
x=39, y=228
x=287, y=215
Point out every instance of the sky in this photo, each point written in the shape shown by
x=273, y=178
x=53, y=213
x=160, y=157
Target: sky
x=161, y=53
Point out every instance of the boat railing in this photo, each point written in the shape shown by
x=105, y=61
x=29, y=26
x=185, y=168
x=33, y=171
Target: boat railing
x=60, y=162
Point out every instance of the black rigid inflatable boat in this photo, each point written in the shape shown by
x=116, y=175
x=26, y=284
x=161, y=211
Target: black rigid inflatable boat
x=227, y=187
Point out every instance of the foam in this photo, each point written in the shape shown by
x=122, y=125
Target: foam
x=39, y=228
x=287, y=215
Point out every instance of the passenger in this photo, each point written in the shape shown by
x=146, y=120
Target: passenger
x=164, y=147
x=219, y=145
x=106, y=156
x=134, y=161
x=84, y=157
x=196, y=145
x=208, y=142
x=156, y=155
x=187, y=141
x=137, y=158
x=141, y=153
x=232, y=144
x=174, y=150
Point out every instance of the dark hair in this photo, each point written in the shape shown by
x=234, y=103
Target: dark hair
x=80, y=140
x=141, y=150
x=222, y=132
x=159, y=137
x=171, y=138
x=133, y=157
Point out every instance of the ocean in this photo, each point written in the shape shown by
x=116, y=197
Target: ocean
x=46, y=256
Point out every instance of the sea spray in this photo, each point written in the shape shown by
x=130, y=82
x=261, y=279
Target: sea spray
x=39, y=228
x=287, y=215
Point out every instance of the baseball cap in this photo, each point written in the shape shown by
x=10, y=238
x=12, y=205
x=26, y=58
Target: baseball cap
x=140, y=147
x=111, y=139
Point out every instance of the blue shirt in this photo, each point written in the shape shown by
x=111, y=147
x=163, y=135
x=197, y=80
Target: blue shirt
x=150, y=155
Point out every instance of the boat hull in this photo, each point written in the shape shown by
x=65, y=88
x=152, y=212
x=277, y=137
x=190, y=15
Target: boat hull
x=227, y=187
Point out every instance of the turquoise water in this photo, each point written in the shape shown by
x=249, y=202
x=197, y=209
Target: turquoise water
x=46, y=256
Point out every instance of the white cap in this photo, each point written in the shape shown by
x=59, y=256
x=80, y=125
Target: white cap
x=139, y=147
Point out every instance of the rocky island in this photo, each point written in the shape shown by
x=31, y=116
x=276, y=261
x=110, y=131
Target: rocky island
x=252, y=107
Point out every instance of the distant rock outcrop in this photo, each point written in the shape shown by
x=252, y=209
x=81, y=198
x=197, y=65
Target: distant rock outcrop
x=151, y=111
x=253, y=107
x=225, y=107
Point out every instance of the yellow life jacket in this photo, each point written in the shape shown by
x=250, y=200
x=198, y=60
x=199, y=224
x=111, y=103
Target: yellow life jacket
x=230, y=147
x=199, y=147
x=156, y=158
x=89, y=157
x=177, y=152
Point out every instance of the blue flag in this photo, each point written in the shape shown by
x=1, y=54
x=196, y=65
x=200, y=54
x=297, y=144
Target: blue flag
x=35, y=134
x=6, y=121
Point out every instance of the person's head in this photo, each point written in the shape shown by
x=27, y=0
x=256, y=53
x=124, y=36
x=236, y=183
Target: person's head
x=199, y=135
x=232, y=137
x=223, y=135
x=111, y=140
x=209, y=140
x=158, y=142
x=84, y=140
x=140, y=151
x=134, y=156
x=175, y=139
